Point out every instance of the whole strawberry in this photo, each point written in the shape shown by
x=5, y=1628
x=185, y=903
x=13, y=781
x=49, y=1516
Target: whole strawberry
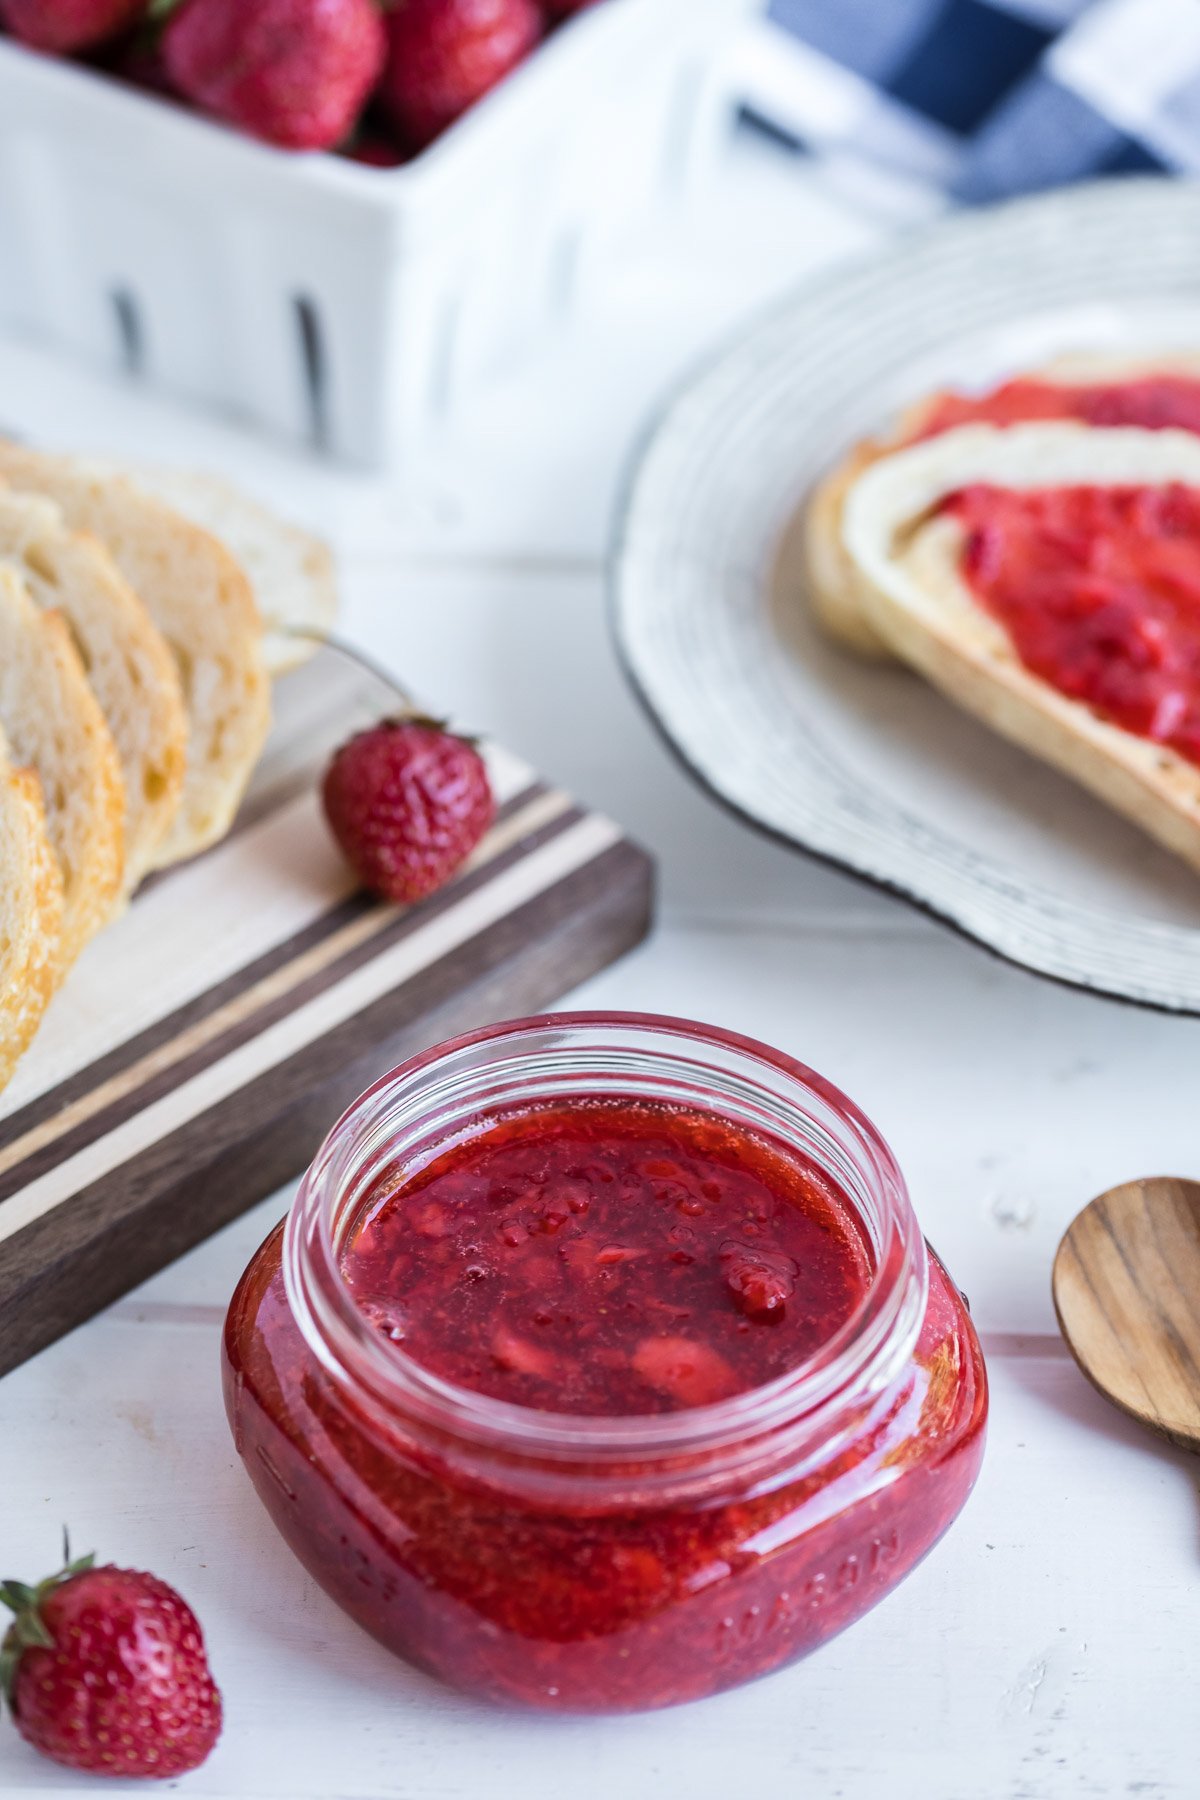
x=443, y=55
x=104, y=1670
x=407, y=801
x=64, y=25
x=295, y=72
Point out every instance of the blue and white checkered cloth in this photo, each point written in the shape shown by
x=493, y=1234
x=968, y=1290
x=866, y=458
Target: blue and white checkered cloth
x=982, y=98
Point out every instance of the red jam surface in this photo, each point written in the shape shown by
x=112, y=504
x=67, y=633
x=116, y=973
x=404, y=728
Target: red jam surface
x=1154, y=402
x=610, y=1257
x=1099, y=590
x=586, y=1585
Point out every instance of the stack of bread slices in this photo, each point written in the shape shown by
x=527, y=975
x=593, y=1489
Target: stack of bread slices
x=885, y=575
x=140, y=622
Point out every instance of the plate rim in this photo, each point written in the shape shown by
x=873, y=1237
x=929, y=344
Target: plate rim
x=637, y=465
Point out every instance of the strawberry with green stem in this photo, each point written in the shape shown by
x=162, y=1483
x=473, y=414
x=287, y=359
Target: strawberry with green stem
x=105, y=1670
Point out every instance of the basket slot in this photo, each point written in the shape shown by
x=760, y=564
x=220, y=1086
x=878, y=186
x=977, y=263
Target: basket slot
x=131, y=340
x=311, y=338
x=313, y=367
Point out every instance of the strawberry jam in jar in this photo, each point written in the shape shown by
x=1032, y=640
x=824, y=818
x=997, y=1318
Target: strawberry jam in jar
x=600, y=1364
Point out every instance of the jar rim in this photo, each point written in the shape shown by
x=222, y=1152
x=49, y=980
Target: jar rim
x=865, y=1355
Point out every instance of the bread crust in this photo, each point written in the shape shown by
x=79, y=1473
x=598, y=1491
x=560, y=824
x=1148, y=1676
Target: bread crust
x=829, y=577
x=32, y=900
x=53, y=724
x=202, y=602
x=131, y=670
x=905, y=563
x=291, y=571
x=828, y=572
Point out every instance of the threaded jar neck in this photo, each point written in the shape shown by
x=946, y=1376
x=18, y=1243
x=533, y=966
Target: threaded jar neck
x=449, y=1094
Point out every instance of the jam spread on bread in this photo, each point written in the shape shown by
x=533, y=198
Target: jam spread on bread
x=1153, y=402
x=1098, y=589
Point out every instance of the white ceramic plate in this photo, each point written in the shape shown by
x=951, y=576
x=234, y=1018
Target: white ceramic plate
x=866, y=765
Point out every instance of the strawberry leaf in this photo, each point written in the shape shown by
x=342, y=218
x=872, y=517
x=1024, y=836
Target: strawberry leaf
x=29, y=1630
x=32, y=1632
x=10, y=1656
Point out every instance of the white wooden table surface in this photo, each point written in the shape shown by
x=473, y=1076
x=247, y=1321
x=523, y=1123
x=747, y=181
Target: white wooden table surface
x=1049, y=1647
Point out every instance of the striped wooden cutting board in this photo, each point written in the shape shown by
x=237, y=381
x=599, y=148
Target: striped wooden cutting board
x=206, y=1041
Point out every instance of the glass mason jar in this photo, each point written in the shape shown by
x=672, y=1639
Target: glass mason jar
x=594, y=1563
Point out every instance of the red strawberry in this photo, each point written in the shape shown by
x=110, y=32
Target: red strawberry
x=408, y=802
x=68, y=24
x=295, y=72
x=104, y=1670
x=563, y=9
x=443, y=55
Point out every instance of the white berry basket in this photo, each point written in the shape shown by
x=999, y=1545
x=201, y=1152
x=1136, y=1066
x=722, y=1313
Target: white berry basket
x=334, y=303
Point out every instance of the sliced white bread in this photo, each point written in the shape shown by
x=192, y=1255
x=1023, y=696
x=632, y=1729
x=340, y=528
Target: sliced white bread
x=828, y=578
x=201, y=601
x=291, y=571
x=131, y=670
x=905, y=558
x=53, y=724
x=31, y=905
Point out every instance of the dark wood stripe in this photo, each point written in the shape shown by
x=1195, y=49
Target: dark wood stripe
x=393, y=927
x=61, y=1269
x=122, y=1056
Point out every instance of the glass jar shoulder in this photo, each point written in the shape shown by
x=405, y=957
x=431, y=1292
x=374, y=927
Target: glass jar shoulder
x=915, y=1452
x=619, y=1607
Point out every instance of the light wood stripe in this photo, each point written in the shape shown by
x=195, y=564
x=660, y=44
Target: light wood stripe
x=478, y=909
x=541, y=811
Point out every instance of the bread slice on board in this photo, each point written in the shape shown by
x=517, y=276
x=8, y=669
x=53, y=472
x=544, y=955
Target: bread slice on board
x=828, y=578
x=905, y=558
x=130, y=668
x=202, y=603
x=31, y=904
x=291, y=571
x=53, y=724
